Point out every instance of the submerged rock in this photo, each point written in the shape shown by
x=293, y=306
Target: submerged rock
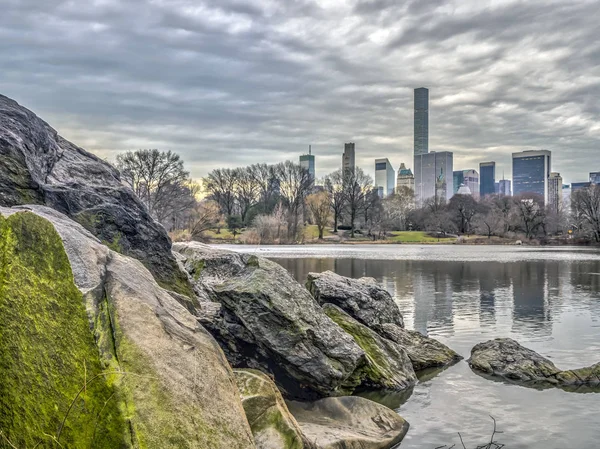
x=37, y=166
x=374, y=307
x=71, y=309
x=267, y=321
x=349, y=422
x=505, y=358
x=362, y=299
x=273, y=426
x=387, y=367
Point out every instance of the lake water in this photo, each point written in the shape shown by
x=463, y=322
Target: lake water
x=548, y=299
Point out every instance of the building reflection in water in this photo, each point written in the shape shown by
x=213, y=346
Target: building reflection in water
x=440, y=295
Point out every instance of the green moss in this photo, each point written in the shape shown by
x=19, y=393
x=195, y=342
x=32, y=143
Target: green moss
x=47, y=351
x=197, y=269
x=253, y=261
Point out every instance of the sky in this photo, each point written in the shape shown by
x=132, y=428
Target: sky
x=228, y=83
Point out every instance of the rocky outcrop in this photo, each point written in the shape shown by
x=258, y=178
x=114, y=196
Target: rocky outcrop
x=374, y=307
x=37, y=166
x=362, y=299
x=266, y=320
x=507, y=359
x=73, y=310
x=388, y=366
x=272, y=424
x=349, y=422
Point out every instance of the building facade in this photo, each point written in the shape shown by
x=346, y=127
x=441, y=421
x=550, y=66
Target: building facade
x=307, y=162
x=433, y=176
x=487, y=178
x=555, y=187
x=421, y=121
x=405, y=178
x=468, y=178
x=575, y=186
x=595, y=177
x=348, y=158
x=384, y=177
x=531, y=171
x=504, y=187
x=458, y=178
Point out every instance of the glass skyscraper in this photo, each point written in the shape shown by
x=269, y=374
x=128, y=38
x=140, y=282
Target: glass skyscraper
x=421, y=125
x=531, y=171
x=433, y=176
x=487, y=178
x=307, y=162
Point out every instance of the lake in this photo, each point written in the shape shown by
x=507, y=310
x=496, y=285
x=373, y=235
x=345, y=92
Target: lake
x=548, y=299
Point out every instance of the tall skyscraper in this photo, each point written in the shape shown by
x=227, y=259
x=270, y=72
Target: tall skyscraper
x=384, y=177
x=555, y=187
x=504, y=187
x=487, y=178
x=595, y=177
x=405, y=178
x=421, y=121
x=531, y=171
x=433, y=176
x=348, y=157
x=307, y=161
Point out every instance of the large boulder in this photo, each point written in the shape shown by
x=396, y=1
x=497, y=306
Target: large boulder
x=388, y=366
x=87, y=327
x=373, y=306
x=37, y=166
x=349, y=422
x=272, y=424
x=267, y=321
x=363, y=299
x=505, y=358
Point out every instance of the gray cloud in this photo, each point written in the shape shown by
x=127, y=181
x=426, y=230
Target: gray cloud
x=232, y=82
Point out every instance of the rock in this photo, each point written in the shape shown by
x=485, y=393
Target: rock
x=388, y=366
x=272, y=424
x=374, y=307
x=37, y=166
x=362, y=299
x=155, y=376
x=269, y=322
x=424, y=352
x=505, y=358
x=349, y=422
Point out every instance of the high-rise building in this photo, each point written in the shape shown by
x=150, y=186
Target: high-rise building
x=307, y=161
x=595, y=177
x=555, y=187
x=469, y=178
x=384, y=177
x=348, y=157
x=421, y=121
x=487, y=178
x=575, y=186
x=405, y=178
x=504, y=187
x=458, y=177
x=433, y=176
x=531, y=170
x=566, y=197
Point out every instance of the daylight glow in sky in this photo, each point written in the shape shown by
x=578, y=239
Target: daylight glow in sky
x=234, y=82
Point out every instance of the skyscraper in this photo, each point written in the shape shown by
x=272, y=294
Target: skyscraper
x=307, y=161
x=405, y=178
x=384, y=177
x=458, y=177
x=348, y=157
x=531, y=170
x=487, y=178
x=595, y=177
x=504, y=187
x=433, y=176
x=468, y=178
x=421, y=121
x=555, y=187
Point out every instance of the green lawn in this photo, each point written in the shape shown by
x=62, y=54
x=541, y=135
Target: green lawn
x=311, y=232
x=416, y=237
x=225, y=234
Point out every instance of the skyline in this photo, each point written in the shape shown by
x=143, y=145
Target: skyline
x=229, y=83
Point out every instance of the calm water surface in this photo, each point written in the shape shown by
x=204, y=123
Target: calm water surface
x=547, y=299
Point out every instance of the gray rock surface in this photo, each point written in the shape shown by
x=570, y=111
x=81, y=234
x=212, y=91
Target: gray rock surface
x=362, y=299
x=37, y=166
x=267, y=321
x=180, y=390
x=349, y=422
x=505, y=358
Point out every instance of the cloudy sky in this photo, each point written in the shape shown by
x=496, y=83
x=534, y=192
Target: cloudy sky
x=233, y=82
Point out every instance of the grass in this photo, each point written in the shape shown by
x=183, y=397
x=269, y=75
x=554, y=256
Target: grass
x=416, y=237
x=311, y=232
x=225, y=234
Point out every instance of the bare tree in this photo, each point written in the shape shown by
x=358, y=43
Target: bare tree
x=295, y=184
x=334, y=185
x=247, y=190
x=357, y=185
x=207, y=217
x=530, y=213
x=220, y=185
x=463, y=208
x=586, y=205
x=266, y=179
x=319, y=206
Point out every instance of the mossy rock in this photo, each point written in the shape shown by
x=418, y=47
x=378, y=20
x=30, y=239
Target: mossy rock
x=53, y=391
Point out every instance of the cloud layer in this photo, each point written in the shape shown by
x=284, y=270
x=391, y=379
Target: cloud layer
x=233, y=82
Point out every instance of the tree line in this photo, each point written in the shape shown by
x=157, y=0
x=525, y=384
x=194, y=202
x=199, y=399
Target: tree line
x=274, y=202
